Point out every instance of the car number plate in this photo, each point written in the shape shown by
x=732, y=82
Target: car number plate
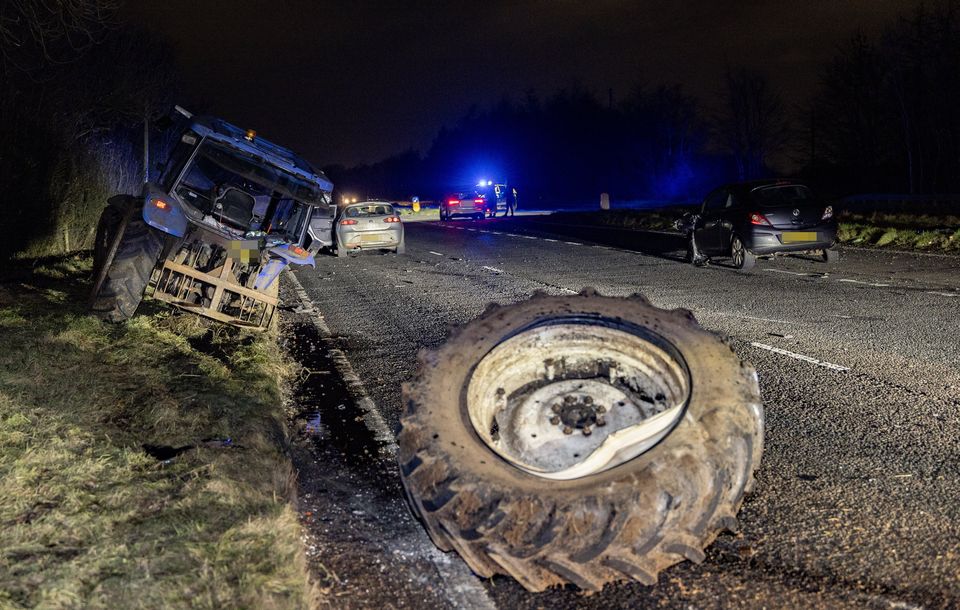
x=369, y=238
x=793, y=237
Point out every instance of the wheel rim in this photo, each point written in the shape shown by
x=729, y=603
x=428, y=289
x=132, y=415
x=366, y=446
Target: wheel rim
x=737, y=252
x=573, y=398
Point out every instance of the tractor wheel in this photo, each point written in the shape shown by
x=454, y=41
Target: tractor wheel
x=129, y=272
x=580, y=440
x=110, y=220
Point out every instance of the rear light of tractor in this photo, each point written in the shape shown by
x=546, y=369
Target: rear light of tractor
x=348, y=221
x=298, y=251
x=827, y=213
x=756, y=218
x=392, y=219
x=161, y=205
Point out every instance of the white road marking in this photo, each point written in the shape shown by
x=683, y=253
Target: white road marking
x=494, y=269
x=945, y=294
x=573, y=243
x=528, y=236
x=436, y=253
x=461, y=587
x=828, y=365
x=548, y=239
x=735, y=315
x=469, y=229
x=794, y=273
x=843, y=279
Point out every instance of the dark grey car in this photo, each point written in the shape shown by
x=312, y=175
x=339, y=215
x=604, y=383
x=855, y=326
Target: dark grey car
x=750, y=219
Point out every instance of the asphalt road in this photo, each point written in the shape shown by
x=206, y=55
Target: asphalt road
x=858, y=495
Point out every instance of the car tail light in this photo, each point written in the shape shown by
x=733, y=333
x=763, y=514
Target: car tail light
x=348, y=221
x=478, y=202
x=453, y=202
x=392, y=219
x=827, y=213
x=756, y=218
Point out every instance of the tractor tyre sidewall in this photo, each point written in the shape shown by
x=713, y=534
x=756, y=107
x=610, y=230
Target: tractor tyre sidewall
x=625, y=523
x=129, y=272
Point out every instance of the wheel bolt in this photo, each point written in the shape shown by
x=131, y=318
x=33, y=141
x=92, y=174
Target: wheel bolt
x=555, y=420
x=601, y=409
x=568, y=399
x=587, y=431
x=555, y=408
x=601, y=421
x=567, y=430
x=588, y=400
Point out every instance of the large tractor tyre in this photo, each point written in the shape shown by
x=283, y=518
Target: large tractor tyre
x=508, y=456
x=110, y=220
x=129, y=272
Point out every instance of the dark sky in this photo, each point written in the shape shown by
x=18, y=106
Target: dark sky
x=349, y=82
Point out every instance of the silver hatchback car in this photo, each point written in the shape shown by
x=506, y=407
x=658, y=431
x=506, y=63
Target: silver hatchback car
x=369, y=225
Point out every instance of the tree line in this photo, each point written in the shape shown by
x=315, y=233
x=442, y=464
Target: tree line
x=884, y=117
x=75, y=86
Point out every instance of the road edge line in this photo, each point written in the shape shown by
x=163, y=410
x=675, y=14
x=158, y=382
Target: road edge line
x=460, y=584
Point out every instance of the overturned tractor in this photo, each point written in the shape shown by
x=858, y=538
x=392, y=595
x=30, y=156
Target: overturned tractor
x=211, y=235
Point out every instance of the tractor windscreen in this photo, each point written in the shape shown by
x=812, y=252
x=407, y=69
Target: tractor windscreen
x=245, y=192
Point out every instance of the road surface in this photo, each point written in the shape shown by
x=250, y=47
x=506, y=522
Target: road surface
x=858, y=495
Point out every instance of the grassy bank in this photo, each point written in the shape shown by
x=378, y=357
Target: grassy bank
x=117, y=486
x=899, y=231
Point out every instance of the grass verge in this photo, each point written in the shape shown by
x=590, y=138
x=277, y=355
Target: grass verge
x=117, y=488
x=923, y=233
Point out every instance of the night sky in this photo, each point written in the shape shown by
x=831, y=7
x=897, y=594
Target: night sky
x=350, y=82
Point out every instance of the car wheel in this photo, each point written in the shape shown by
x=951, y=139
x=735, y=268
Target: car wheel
x=743, y=259
x=499, y=446
x=830, y=255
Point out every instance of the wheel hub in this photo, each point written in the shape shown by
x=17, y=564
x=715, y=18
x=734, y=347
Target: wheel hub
x=577, y=413
x=568, y=400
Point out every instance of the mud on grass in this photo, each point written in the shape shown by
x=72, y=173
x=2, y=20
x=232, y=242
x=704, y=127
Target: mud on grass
x=88, y=517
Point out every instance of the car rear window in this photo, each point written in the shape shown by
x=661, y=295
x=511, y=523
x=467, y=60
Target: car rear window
x=787, y=194
x=380, y=209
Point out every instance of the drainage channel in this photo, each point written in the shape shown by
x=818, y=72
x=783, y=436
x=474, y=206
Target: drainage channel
x=362, y=544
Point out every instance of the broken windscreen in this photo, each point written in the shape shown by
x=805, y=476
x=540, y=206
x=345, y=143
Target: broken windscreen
x=216, y=167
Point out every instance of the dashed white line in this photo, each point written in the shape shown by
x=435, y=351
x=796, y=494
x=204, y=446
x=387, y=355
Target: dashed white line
x=850, y=281
x=811, y=360
x=435, y=253
x=573, y=243
x=494, y=269
x=945, y=294
x=735, y=315
x=794, y=272
x=527, y=236
x=548, y=239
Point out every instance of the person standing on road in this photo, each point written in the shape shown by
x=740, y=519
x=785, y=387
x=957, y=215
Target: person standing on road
x=490, y=197
x=511, y=197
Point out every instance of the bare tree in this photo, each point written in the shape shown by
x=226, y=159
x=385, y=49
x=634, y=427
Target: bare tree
x=751, y=123
x=34, y=33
